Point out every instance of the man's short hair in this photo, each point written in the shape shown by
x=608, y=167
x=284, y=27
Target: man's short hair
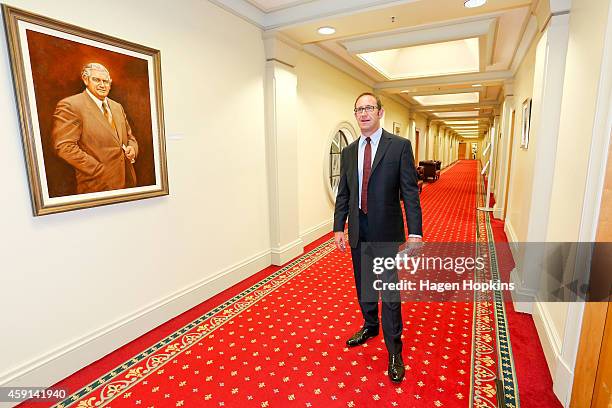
x=378, y=102
x=86, y=71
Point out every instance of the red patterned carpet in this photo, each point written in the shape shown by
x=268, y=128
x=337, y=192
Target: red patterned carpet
x=277, y=339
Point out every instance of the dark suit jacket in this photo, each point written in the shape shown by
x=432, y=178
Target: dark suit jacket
x=83, y=137
x=393, y=177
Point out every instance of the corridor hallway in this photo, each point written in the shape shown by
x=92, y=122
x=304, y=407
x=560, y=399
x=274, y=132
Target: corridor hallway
x=278, y=339
x=215, y=283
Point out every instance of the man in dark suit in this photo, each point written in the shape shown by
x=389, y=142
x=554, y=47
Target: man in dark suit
x=376, y=171
x=92, y=134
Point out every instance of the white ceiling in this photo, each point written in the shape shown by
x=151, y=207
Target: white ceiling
x=414, y=51
x=272, y=5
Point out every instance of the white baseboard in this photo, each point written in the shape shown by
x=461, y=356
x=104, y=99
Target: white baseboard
x=551, y=343
x=283, y=254
x=512, y=239
x=523, y=298
x=316, y=232
x=70, y=358
x=498, y=212
x=563, y=379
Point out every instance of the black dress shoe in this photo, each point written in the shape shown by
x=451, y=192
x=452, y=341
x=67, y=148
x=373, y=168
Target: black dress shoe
x=361, y=336
x=396, y=368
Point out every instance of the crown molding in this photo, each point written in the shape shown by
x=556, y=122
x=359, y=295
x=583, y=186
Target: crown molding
x=560, y=6
x=302, y=13
x=338, y=63
x=400, y=84
x=419, y=36
x=528, y=35
x=244, y=10
x=279, y=47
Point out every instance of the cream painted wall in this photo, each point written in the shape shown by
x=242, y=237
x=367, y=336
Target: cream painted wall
x=588, y=21
x=69, y=276
x=521, y=177
x=325, y=99
x=394, y=112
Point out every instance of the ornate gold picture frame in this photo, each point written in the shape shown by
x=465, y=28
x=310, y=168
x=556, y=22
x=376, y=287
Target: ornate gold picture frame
x=91, y=114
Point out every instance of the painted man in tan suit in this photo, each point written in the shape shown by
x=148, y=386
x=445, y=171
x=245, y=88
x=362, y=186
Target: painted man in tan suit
x=91, y=132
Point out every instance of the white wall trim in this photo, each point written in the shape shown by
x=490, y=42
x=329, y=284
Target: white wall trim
x=563, y=380
x=551, y=343
x=418, y=35
x=523, y=298
x=243, y=10
x=316, y=232
x=67, y=359
x=512, y=239
x=528, y=35
x=498, y=212
x=283, y=254
x=337, y=62
x=303, y=12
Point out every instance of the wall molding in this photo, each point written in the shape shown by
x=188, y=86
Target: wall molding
x=67, y=359
x=512, y=238
x=523, y=298
x=549, y=338
x=283, y=254
x=312, y=234
x=498, y=212
x=563, y=380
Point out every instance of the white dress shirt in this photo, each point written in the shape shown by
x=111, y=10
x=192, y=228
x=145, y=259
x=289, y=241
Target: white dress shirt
x=99, y=103
x=375, y=140
x=362, y=144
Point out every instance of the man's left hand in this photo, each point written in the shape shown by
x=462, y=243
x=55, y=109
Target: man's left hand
x=130, y=153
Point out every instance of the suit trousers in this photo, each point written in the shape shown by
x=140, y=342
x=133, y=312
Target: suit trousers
x=364, y=255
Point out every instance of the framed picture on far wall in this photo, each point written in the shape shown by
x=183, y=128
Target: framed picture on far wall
x=397, y=129
x=91, y=114
x=526, y=123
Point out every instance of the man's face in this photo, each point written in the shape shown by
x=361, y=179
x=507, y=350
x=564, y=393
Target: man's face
x=368, y=122
x=98, y=83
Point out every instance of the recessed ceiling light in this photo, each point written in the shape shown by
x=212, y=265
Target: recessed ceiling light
x=474, y=3
x=326, y=30
x=476, y=85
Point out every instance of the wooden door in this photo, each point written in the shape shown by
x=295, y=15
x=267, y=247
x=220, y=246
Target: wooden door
x=462, y=149
x=416, y=149
x=593, y=373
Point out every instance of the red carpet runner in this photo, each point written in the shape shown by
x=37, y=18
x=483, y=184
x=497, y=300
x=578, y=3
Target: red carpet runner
x=280, y=342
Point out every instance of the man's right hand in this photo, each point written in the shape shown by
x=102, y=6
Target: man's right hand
x=340, y=240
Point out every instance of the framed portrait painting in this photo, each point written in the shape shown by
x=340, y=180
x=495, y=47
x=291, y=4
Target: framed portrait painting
x=91, y=114
x=526, y=123
x=397, y=129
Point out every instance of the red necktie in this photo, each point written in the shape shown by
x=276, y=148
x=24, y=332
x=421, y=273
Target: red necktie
x=367, y=168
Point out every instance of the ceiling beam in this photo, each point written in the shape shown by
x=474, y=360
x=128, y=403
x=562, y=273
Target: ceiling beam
x=460, y=79
x=418, y=36
x=452, y=108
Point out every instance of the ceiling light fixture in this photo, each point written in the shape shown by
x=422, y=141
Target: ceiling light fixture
x=326, y=30
x=476, y=85
x=474, y=3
